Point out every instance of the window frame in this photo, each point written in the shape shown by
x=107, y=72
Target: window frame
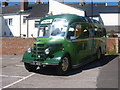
x=36, y=25
x=24, y=19
x=73, y=25
x=9, y=21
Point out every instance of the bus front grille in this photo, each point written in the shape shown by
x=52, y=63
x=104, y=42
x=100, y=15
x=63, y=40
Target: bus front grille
x=39, y=52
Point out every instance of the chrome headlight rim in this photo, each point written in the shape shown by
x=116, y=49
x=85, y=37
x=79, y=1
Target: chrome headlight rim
x=47, y=51
x=29, y=50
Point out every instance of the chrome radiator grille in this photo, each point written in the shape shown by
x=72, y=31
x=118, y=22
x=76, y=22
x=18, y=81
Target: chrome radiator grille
x=39, y=52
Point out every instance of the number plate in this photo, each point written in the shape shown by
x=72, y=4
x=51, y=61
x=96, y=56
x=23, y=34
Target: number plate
x=36, y=63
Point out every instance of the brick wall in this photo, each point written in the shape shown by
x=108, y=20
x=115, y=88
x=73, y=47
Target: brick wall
x=112, y=45
x=17, y=46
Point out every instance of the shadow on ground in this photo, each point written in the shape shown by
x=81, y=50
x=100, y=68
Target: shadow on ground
x=97, y=63
x=108, y=75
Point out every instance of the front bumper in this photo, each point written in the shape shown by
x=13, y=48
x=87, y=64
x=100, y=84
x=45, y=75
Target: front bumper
x=27, y=57
x=41, y=64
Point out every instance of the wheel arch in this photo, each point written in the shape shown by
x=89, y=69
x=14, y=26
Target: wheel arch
x=68, y=54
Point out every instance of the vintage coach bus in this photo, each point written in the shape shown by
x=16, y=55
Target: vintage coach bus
x=66, y=41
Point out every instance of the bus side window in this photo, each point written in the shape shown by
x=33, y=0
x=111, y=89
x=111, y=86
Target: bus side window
x=71, y=33
x=96, y=32
x=74, y=31
x=78, y=30
x=91, y=33
x=100, y=32
x=104, y=32
x=85, y=33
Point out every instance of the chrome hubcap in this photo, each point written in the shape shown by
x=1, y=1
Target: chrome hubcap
x=65, y=64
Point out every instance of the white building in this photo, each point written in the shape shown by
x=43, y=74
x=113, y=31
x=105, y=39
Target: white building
x=60, y=8
x=110, y=19
x=38, y=11
x=12, y=17
x=20, y=20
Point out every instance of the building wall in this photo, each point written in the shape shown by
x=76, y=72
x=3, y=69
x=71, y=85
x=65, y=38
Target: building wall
x=112, y=45
x=24, y=26
x=32, y=29
x=1, y=26
x=15, y=46
x=17, y=29
x=14, y=28
x=59, y=8
x=110, y=19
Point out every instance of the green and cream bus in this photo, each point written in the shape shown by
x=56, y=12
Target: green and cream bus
x=66, y=41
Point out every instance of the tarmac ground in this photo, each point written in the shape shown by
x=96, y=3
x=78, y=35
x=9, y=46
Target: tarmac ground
x=97, y=74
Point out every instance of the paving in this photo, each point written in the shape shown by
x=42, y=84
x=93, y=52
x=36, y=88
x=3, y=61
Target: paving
x=97, y=74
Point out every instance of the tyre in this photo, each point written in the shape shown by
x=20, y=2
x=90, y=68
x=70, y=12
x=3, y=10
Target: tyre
x=99, y=54
x=30, y=67
x=64, y=65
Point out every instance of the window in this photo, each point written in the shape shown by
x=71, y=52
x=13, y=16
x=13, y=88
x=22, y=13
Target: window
x=9, y=21
x=36, y=24
x=4, y=33
x=75, y=31
x=85, y=33
x=24, y=19
x=85, y=30
x=96, y=32
x=78, y=30
x=6, y=21
x=91, y=32
x=57, y=29
x=100, y=32
x=10, y=33
x=104, y=32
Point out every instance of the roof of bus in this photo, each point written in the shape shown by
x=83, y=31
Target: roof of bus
x=68, y=17
x=72, y=17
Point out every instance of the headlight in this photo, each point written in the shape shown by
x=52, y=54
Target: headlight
x=29, y=50
x=47, y=51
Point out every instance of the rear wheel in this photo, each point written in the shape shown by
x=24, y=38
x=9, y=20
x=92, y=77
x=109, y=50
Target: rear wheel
x=64, y=66
x=30, y=67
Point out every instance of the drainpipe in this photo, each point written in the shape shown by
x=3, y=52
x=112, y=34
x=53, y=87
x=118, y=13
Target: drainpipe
x=27, y=28
x=20, y=25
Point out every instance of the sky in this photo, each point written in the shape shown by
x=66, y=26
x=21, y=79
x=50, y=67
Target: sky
x=65, y=0
x=110, y=2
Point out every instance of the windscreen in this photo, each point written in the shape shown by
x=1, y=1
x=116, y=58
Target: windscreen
x=57, y=28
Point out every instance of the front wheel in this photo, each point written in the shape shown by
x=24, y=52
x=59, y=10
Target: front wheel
x=64, y=65
x=30, y=67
